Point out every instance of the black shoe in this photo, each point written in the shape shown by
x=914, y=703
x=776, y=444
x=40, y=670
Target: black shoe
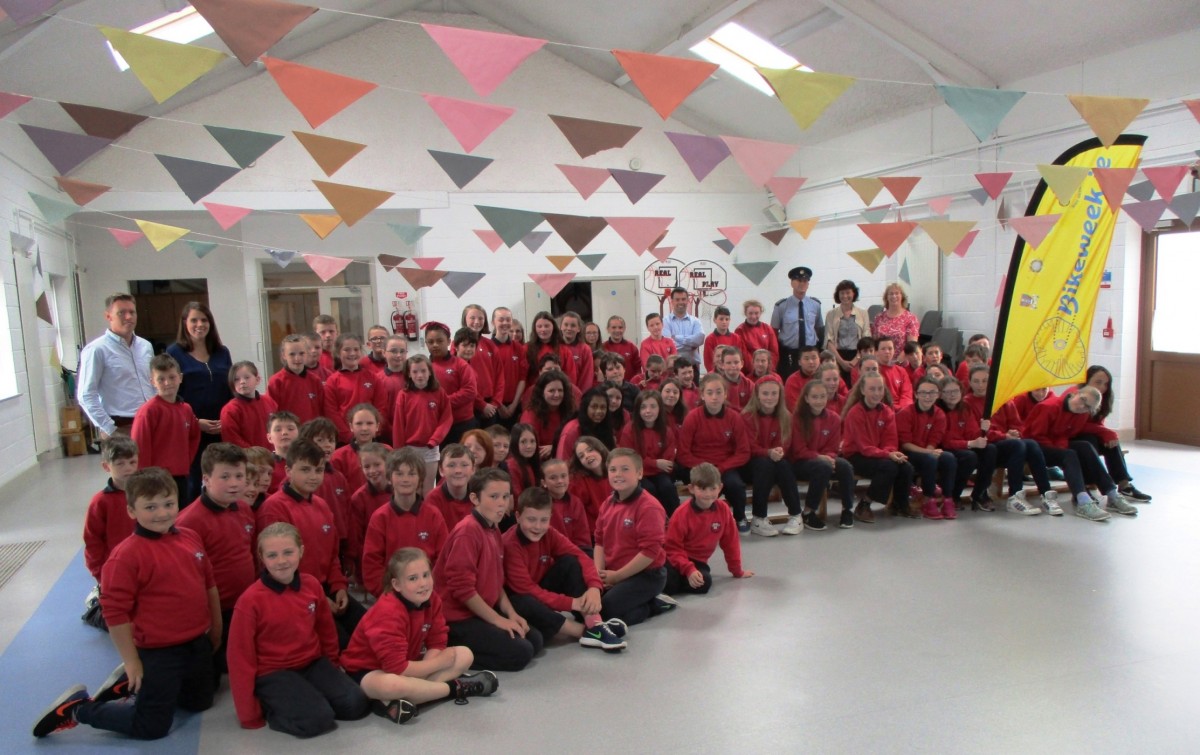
x=60, y=716
x=115, y=687
x=478, y=684
x=847, y=519
x=813, y=521
x=1133, y=494
x=664, y=603
x=396, y=711
x=981, y=504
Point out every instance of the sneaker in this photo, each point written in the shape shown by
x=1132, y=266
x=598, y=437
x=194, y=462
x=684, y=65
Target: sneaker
x=396, y=711
x=617, y=627
x=862, y=512
x=813, y=521
x=1091, y=511
x=982, y=504
x=664, y=603
x=1018, y=505
x=1133, y=494
x=762, y=527
x=948, y=509
x=930, y=508
x=1050, y=503
x=600, y=636
x=792, y=527
x=743, y=526
x=60, y=716
x=115, y=687
x=1055, y=473
x=846, y=521
x=1116, y=502
x=478, y=684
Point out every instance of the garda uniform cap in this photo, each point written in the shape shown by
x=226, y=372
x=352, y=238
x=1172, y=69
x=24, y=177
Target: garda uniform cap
x=800, y=273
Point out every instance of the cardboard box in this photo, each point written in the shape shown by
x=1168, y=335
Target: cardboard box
x=74, y=444
x=70, y=419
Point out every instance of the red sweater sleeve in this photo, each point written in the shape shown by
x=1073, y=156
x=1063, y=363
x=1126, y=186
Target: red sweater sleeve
x=242, y=651
x=731, y=546
x=678, y=533
x=516, y=572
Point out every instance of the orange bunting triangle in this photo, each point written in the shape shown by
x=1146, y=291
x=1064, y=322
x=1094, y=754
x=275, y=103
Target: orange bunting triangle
x=560, y=260
x=804, y=227
x=160, y=235
x=866, y=188
x=947, y=233
x=1166, y=179
x=164, y=68
x=484, y=58
x=805, y=94
x=418, y=278
x=326, y=267
x=318, y=95
x=868, y=258
x=1063, y=180
x=900, y=186
x=322, y=225
x=1194, y=107
x=552, y=283
x=664, y=81
x=1108, y=116
x=1114, y=182
x=889, y=236
x=353, y=203
x=1034, y=228
x=329, y=153
x=80, y=192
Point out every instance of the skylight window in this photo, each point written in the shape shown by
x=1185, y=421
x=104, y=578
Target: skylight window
x=739, y=51
x=181, y=26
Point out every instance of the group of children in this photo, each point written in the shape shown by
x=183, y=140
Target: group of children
x=330, y=576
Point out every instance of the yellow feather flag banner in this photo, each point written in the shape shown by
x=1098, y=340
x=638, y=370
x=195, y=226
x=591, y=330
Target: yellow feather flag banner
x=1050, y=295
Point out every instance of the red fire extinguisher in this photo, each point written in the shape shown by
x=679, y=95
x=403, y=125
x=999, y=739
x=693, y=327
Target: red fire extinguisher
x=397, y=322
x=412, y=330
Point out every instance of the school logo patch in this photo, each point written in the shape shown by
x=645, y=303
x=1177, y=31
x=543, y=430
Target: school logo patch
x=627, y=522
x=339, y=491
x=928, y=425
x=715, y=526
x=568, y=519
x=433, y=405
x=312, y=397
x=544, y=558
x=199, y=555
x=728, y=433
x=368, y=385
x=879, y=423
x=326, y=528
x=249, y=528
x=422, y=536
x=312, y=607
x=825, y=433
x=449, y=371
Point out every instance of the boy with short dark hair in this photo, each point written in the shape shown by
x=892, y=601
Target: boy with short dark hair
x=655, y=343
x=451, y=497
x=612, y=364
x=738, y=387
x=694, y=532
x=334, y=488
x=164, y=617
x=108, y=521
x=374, y=359
x=165, y=428
x=282, y=429
x=326, y=329
x=295, y=388
x=720, y=336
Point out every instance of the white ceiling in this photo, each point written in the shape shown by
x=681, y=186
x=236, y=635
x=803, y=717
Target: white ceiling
x=969, y=42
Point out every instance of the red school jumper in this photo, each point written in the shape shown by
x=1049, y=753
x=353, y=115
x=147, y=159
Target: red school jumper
x=346, y=389
x=227, y=533
x=870, y=432
x=629, y=352
x=394, y=633
x=755, y=337
x=628, y=527
x=526, y=563
x=720, y=439
x=301, y=393
x=244, y=420
x=107, y=523
x=694, y=533
x=167, y=435
x=312, y=517
x=457, y=379
x=392, y=528
x=421, y=419
x=472, y=563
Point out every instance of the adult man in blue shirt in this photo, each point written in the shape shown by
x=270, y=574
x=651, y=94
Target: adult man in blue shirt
x=786, y=320
x=114, y=369
x=684, y=329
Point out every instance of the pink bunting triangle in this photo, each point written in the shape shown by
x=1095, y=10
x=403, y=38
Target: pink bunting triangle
x=552, y=283
x=993, y=183
x=900, y=186
x=1146, y=214
x=125, y=238
x=1114, y=182
x=585, y=180
x=226, y=215
x=1166, y=179
x=965, y=244
x=784, y=188
x=428, y=263
x=1194, y=106
x=640, y=233
x=470, y=122
x=735, y=233
x=326, y=267
x=662, y=253
x=491, y=238
x=1000, y=293
x=484, y=58
x=10, y=102
x=1034, y=228
x=758, y=159
x=888, y=236
x=939, y=205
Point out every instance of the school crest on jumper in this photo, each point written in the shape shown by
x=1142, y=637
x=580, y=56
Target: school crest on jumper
x=627, y=522
x=716, y=526
x=422, y=536
x=312, y=607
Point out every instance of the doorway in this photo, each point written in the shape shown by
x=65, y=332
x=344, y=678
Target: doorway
x=160, y=304
x=593, y=299
x=292, y=298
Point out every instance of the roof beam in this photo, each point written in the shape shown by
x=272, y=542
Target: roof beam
x=696, y=31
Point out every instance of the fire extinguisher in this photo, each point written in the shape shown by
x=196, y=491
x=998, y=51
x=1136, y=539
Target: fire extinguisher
x=412, y=329
x=397, y=322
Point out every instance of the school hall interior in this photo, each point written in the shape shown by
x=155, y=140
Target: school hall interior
x=992, y=633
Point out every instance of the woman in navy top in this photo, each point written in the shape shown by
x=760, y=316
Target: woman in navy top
x=205, y=364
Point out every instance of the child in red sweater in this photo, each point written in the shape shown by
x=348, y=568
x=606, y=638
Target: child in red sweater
x=580, y=367
x=451, y=497
x=567, y=514
x=655, y=343
x=769, y=428
x=716, y=433
x=283, y=648
x=649, y=433
x=399, y=653
x=421, y=417
x=107, y=522
x=550, y=407
x=546, y=574
x=374, y=359
x=756, y=334
x=469, y=576
x=455, y=377
x=392, y=381
x=349, y=386
x=165, y=429
x=405, y=521
x=921, y=430
x=374, y=493
x=364, y=422
x=295, y=388
x=899, y=383
x=720, y=336
x=589, y=476
x=694, y=533
x=738, y=387
x=524, y=464
x=617, y=344
x=334, y=489
x=815, y=447
x=871, y=444
x=244, y=418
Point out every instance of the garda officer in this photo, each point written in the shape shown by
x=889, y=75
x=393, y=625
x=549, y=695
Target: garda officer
x=797, y=320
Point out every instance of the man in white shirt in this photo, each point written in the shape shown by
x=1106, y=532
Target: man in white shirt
x=684, y=329
x=114, y=369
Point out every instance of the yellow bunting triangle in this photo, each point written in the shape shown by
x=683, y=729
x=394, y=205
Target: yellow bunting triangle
x=1108, y=116
x=159, y=235
x=868, y=258
x=1063, y=180
x=353, y=203
x=804, y=227
x=560, y=260
x=329, y=153
x=322, y=225
x=163, y=67
x=866, y=188
x=805, y=94
x=947, y=233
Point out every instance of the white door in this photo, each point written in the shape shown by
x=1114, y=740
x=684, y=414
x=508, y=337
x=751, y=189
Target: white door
x=352, y=306
x=610, y=296
x=39, y=338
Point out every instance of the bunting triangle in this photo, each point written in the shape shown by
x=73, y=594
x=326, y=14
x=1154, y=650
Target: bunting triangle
x=418, y=278
x=200, y=248
x=774, y=236
x=759, y=160
x=939, y=205
x=484, y=58
x=25, y=11
x=1142, y=190
x=409, y=234
x=164, y=68
x=53, y=210
x=1063, y=180
x=866, y=188
x=868, y=258
x=326, y=267
x=1192, y=105
x=889, y=236
x=101, y=122
x=196, y=179
x=735, y=233
x=589, y=137
x=664, y=81
x=981, y=109
x=251, y=27
x=1114, y=182
x=804, y=227
x=10, y=102
x=725, y=245
x=428, y=263
x=80, y=192
x=876, y=214
x=469, y=122
x=243, y=146
x=634, y=183
x=552, y=283
x=64, y=149
x=282, y=257
x=993, y=183
x=462, y=169
x=805, y=94
x=490, y=238
x=161, y=235
x=1000, y=292
x=947, y=233
x=318, y=95
x=640, y=233
x=591, y=260
x=1166, y=179
x=904, y=276
x=353, y=203
x=1146, y=214
x=900, y=187
x=226, y=215
x=755, y=271
x=701, y=153
x=577, y=230
x=979, y=195
x=661, y=253
x=329, y=154
x=534, y=239
x=389, y=261
x=511, y=225
x=1108, y=116
x=965, y=244
x=560, y=261
x=585, y=180
x=1186, y=206
x=322, y=225
x=460, y=282
x=1034, y=228
x=125, y=238
x=784, y=188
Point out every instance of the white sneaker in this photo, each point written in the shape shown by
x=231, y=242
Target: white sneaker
x=792, y=527
x=1018, y=505
x=1050, y=503
x=1117, y=504
x=1091, y=511
x=762, y=527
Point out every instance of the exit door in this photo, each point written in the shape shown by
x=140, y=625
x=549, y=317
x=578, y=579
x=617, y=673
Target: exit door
x=609, y=296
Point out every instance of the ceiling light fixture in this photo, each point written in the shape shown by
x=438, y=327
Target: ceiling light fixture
x=739, y=52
